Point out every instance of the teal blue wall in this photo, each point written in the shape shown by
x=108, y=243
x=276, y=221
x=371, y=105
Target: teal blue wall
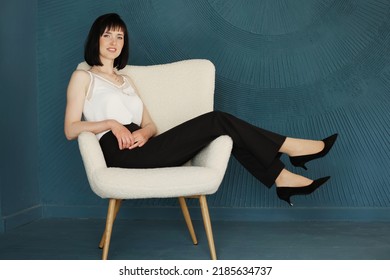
x=20, y=199
x=302, y=68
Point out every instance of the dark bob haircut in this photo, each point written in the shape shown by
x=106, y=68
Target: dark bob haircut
x=91, y=49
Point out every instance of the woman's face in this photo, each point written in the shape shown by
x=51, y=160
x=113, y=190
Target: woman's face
x=111, y=43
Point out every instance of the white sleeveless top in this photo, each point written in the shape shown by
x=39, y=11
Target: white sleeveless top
x=106, y=100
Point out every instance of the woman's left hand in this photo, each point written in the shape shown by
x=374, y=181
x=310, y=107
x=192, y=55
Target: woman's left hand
x=140, y=138
x=148, y=130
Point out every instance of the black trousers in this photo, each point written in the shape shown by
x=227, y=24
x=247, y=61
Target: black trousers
x=255, y=148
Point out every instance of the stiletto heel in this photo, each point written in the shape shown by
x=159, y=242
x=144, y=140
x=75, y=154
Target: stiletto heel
x=284, y=193
x=300, y=161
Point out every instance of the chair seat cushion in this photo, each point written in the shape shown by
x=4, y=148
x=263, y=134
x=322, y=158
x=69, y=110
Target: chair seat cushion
x=124, y=183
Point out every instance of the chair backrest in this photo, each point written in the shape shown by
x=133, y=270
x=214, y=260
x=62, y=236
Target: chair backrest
x=174, y=92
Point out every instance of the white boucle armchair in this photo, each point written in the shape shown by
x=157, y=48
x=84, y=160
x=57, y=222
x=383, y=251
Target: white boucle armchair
x=173, y=93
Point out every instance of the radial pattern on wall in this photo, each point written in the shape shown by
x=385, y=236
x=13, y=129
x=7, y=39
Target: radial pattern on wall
x=303, y=68
x=306, y=68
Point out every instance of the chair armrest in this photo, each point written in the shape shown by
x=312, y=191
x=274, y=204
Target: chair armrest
x=91, y=152
x=216, y=155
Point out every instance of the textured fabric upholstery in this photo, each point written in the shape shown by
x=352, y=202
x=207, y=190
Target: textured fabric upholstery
x=173, y=93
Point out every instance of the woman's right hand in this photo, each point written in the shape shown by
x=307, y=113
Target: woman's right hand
x=123, y=135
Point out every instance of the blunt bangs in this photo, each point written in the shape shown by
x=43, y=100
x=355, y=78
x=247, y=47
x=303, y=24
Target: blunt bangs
x=112, y=23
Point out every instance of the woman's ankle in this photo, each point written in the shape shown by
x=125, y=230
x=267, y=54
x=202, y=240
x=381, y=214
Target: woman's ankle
x=299, y=147
x=289, y=179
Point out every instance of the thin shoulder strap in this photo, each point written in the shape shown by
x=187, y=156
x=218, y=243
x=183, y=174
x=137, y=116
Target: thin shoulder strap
x=130, y=81
x=88, y=94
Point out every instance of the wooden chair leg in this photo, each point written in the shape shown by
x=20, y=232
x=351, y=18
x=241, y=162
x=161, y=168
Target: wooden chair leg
x=187, y=218
x=109, y=223
x=117, y=206
x=207, y=225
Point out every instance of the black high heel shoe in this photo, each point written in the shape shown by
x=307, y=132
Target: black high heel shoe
x=284, y=193
x=300, y=161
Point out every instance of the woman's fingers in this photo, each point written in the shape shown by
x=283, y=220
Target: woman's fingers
x=139, y=140
x=120, y=143
x=125, y=139
x=135, y=145
x=122, y=134
x=128, y=140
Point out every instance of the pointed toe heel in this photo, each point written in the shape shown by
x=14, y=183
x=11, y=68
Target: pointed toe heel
x=285, y=193
x=300, y=161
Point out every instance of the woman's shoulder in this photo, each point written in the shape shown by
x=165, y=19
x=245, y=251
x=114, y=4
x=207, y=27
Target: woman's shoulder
x=80, y=80
x=81, y=76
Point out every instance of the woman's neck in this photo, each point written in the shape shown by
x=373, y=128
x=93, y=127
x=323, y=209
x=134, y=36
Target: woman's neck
x=107, y=66
x=109, y=73
x=104, y=69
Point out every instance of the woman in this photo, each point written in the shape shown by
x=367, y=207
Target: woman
x=114, y=112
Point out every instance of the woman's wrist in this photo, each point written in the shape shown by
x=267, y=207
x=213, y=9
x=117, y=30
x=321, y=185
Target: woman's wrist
x=111, y=124
x=150, y=131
